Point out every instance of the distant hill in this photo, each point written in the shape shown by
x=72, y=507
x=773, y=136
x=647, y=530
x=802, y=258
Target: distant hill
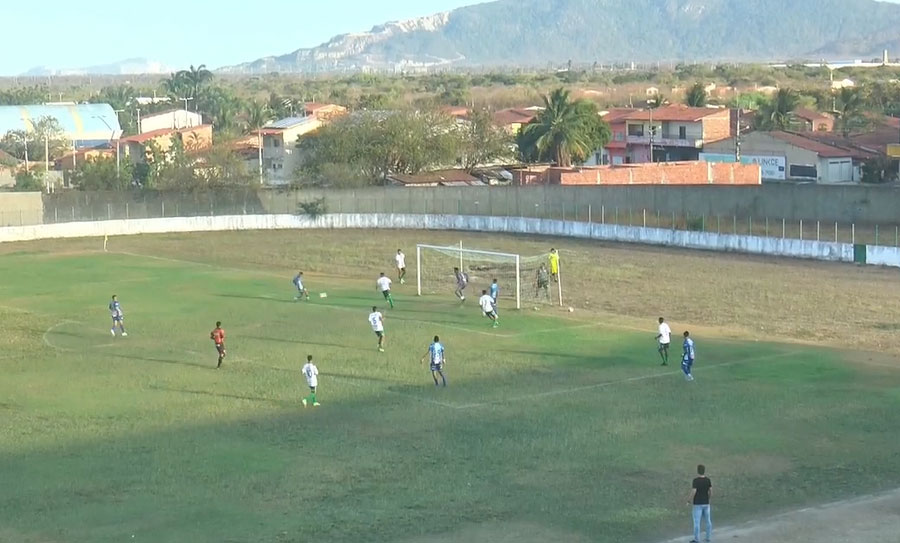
x=535, y=32
x=125, y=67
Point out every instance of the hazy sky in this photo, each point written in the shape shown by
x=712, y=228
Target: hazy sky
x=66, y=34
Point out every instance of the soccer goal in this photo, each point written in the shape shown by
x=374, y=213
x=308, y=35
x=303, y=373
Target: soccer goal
x=517, y=276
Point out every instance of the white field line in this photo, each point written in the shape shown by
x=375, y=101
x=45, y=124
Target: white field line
x=618, y=382
x=745, y=530
x=48, y=343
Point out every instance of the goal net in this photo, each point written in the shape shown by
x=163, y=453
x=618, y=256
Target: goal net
x=520, y=278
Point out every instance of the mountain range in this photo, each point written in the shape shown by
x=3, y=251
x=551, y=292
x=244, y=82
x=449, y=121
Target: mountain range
x=537, y=32
x=123, y=67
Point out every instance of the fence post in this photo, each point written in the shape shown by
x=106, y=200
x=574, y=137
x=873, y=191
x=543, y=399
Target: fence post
x=801, y=229
x=73, y=213
x=55, y=214
x=735, y=224
x=853, y=233
x=673, y=220
x=177, y=215
x=126, y=210
x=657, y=218
x=590, y=218
x=108, y=211
x=629, y=216
x=835, y=231
x=162, y=206
x=876, y=234
x=751, y=225
x=617, y=215
x=896, y=236
x=703, y=222
x=602, y=214
x=645, y=217
x=767, y=227
x=718, y=224
x=783, y=228
x=818, y=231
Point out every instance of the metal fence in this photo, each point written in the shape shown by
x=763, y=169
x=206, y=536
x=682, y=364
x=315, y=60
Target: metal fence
x=96, y=209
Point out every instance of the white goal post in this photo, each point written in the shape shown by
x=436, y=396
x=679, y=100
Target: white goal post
x=434, y=272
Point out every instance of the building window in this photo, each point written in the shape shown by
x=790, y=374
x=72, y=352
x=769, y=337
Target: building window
x=682, y=132
x=617, y=161
x=276, y=143
x=620, y=136
x=636, y=130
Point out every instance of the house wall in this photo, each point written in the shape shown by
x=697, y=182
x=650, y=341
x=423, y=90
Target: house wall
x=683, y=173
x=171, y=120
x=717, y=127
x=762, y=144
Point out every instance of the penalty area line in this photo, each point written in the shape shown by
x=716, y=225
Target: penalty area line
x=617, y=382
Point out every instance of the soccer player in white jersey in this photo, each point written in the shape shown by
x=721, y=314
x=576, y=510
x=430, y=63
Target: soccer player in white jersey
x=664, y=337
x=311, y=372
x=401, y=266
x=487, y=307
x=436, y=354
x=118, y=317
x=376, y=320
x=462, y=280
x=383, y=285
x=301, y=290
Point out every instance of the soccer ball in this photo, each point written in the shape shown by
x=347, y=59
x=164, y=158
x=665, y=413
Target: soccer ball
x=323, y=295
x=571, y=310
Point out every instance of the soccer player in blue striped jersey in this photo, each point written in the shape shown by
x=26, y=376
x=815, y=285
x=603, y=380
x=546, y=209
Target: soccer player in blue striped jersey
x=687, y=359
x=118, y=318
x=495, y=292
x=436, y=354
x=301, y=290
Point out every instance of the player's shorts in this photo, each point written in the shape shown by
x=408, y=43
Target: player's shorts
x=490, y=314
x=312, y=389
x=402, y=269
x=461, y=286
x=220, y=348
x=543, y=284
x=663, y=346
x=437, y=366
x=379, y=333
x=386, y=293
x=118, y=318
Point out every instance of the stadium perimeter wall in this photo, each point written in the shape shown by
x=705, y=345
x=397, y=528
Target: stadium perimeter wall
x=817, y=250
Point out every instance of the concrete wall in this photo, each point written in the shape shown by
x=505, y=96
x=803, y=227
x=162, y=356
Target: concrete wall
x=836, y=252
x=20, y=208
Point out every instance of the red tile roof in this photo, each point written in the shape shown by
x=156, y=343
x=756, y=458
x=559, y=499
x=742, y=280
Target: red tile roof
x=437, y=177
x=618, y=114
x=809, y=115
x=675, y=113
x=506, y=117
x=153, y=134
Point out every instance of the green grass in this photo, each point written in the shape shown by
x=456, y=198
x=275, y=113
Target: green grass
x=551, y=427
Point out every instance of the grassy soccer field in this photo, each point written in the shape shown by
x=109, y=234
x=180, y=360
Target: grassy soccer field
x=555, y=427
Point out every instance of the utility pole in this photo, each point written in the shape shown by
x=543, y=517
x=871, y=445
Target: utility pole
x=737, y=136
x=651, y=132
x=260, y=145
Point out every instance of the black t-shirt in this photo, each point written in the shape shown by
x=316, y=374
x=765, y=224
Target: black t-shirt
x=702, y=485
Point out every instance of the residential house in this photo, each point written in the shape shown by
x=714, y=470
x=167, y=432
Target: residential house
x=174, y=119
x=513, y=119
x=440, y=178
x=795, y=156
x=280, y=155
x=807, y=120
x=324, y=112
x=678, y=133
x=71, y=160
x=651, y=91
x=194, y=139
x=615, y=151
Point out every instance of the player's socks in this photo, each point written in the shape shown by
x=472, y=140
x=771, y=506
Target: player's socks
x=112, y=331
x=443, y=378
x=391, y=301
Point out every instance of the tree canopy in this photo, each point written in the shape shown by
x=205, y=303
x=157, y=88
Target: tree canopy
x=565, y=132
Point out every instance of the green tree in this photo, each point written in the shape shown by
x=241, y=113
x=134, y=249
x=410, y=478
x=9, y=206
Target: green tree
x=565, y=131
x=29, y=182
x=775, y=114
x=481, y=142
x=101, y=174
x=256, y=115
x=696, y=96
x=850, y=108
x=370, y=145
x=44, y=134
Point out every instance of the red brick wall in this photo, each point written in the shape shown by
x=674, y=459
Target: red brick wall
x=672, y=173
x=717, y=127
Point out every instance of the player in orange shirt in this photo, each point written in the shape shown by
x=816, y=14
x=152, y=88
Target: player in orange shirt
x=218, y=337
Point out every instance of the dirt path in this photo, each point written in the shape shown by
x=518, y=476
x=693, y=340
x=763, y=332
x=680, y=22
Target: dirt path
x=870, y=519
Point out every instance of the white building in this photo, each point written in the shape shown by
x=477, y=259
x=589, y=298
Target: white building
x=176, y=119
x=281, y=157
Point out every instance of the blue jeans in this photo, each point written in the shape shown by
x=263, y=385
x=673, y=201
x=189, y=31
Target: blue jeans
x=701, y=511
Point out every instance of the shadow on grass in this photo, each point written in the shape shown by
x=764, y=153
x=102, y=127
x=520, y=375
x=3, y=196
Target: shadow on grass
x=164, y=361
x=223, y=395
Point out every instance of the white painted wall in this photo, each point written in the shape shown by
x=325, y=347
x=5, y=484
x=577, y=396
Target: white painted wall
x=818, y=250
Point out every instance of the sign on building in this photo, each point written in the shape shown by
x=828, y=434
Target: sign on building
x=771, y=167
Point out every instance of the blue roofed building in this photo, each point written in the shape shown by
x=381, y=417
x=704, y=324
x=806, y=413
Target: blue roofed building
x=86, y=125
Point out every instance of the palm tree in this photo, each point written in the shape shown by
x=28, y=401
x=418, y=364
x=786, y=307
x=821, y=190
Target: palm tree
x=696, y=96
x=564, y=131
x=257, y=115
x=776, y=114
x=850, y=108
